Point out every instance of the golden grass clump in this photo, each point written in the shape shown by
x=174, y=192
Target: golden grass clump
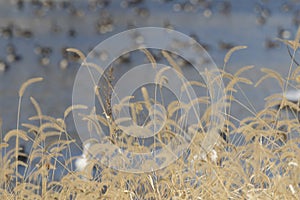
x=260, y=161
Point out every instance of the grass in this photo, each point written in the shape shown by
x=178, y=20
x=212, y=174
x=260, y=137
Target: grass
x=262, y=163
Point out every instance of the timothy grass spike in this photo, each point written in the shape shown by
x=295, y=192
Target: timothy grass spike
x=172, y=62
x=36, y=106
x=146, y=97
x=270, y=73
x=19, y=133
x=78, y=52
x=230, y=52
x=71, y=108
x=27, y=83
x=150, y=57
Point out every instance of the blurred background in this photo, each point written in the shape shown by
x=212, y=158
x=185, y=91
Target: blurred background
x=35, y=33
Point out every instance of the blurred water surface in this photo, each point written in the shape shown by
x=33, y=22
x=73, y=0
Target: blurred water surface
x=82, y=25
